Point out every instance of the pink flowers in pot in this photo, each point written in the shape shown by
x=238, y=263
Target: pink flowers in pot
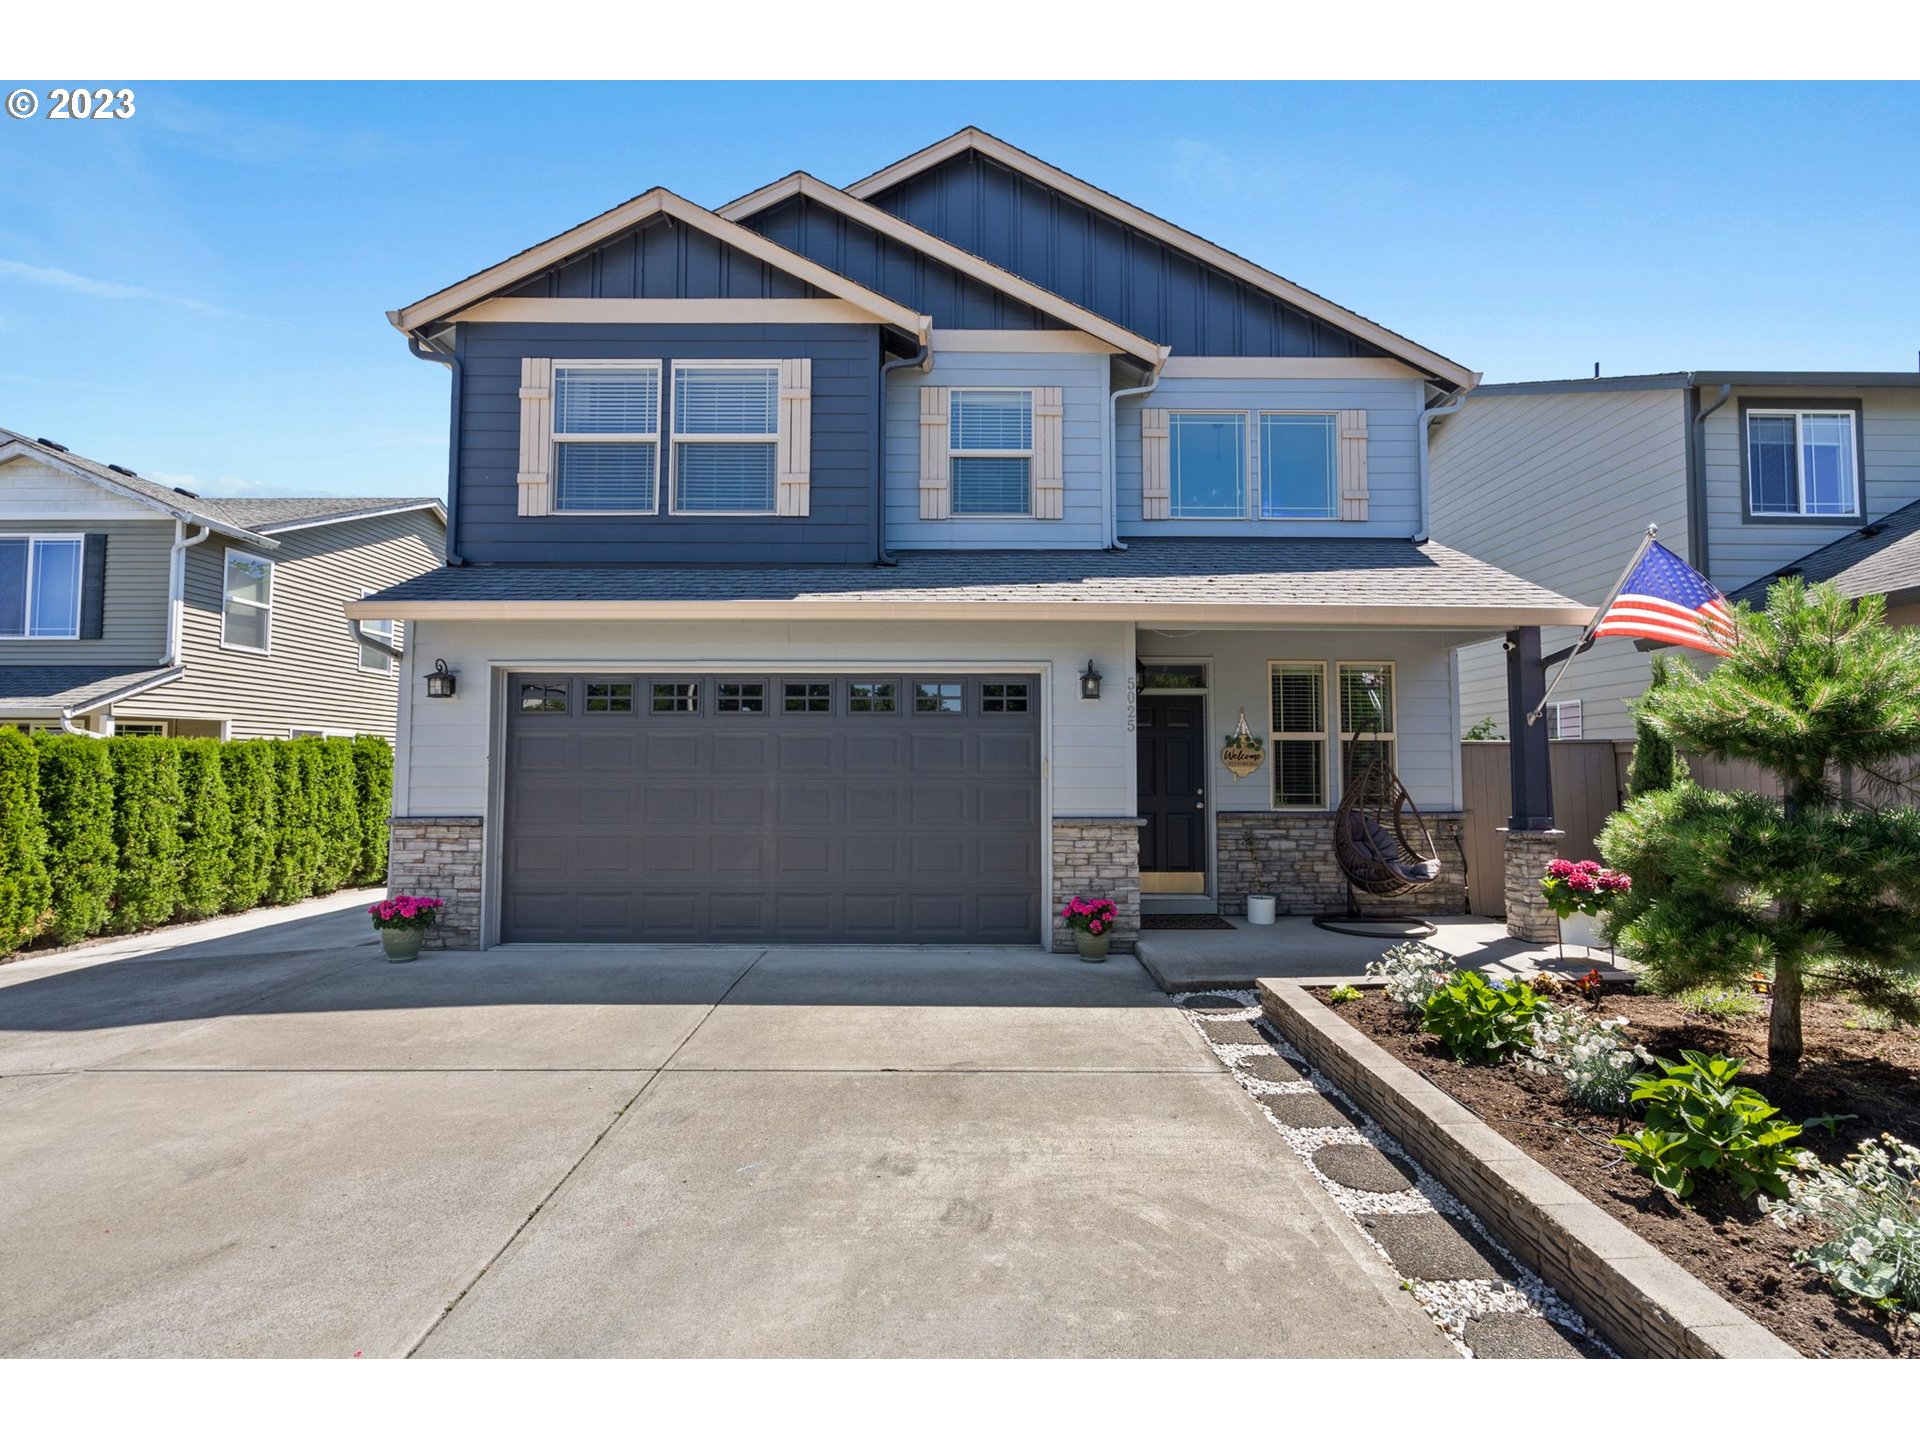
x=1584, y=887
x=406, y=912
x=1095, y=917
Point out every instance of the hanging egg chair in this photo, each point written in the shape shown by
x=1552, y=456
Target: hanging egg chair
x=1380, y=841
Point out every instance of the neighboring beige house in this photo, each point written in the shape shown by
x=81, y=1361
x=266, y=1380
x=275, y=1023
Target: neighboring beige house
x=1745, y=473
x=128, y=606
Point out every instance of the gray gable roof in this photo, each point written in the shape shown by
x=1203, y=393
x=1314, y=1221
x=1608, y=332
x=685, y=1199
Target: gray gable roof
x=47, y=689
x=1881, y=558
x=265, y=515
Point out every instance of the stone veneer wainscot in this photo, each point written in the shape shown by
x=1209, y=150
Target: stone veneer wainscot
x=1292, y=860
x=440, y=855
x=1529, y=917
x=1097, y=857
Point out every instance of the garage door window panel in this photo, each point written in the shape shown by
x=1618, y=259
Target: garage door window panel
x=543, y=698
x=609, y=697
x=740, y=697
x=676, y=697
x=873, y=697
x=938, y=697
x=807, y=697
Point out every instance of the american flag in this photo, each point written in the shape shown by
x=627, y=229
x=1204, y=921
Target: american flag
x=1664, y=598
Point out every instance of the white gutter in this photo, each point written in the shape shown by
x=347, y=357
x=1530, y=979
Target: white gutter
x=1111, y=507
x=1427, y=417
x=177, y=586
x=125, y=692
x=384, y=646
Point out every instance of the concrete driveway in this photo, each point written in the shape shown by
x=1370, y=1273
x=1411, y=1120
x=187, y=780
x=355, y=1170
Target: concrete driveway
x=272, y=1142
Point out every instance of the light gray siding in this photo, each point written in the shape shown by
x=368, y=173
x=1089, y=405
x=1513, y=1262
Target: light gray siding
x=312, y=677
x=1740, y=549
x=1558, y=489
x=1082, y=379
x=1393, y=465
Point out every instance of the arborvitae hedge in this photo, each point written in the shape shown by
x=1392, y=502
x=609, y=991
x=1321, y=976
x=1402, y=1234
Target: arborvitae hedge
x=147, y=807
x=338, y=814
x=25, y=893
x=253, y=804
x=373, y=788
x=76, y=800
x=206, y=831
x=296, y=832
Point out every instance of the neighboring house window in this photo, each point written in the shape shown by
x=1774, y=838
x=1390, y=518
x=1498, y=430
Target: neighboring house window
x=606, y=434
x=139, y=727
x=1563, y=720
x=1299, y=467
x=1299, y=734
x=1366, y=703
x=726, y=426
x=314, y=732
x=39, y=587
x=990, y=442
x=246, y=620
x=1207, y=477
x=375, y=661
x=1802, y=462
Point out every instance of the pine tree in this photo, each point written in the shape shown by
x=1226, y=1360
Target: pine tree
x=1804, y=884
x=1656, y=764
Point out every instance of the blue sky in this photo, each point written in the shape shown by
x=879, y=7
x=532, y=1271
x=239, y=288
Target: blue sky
x=199, y=292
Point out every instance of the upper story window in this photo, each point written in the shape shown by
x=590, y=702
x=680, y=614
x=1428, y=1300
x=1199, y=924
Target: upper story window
x=1802, y=462
x=606, y=433
x=372, y=659
x=1299, y=466
x=246, y=615
x=1207, y=473
x=990, y=443
x=40, y=587
x=726, y=427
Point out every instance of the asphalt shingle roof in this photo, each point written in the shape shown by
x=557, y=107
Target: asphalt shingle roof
x=60, y=687
x=1880, y=558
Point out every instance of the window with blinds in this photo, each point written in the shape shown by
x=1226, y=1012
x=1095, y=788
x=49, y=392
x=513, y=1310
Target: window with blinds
x=1299, y=734
x=606, y=433
x=1366, y=704
x=726, y=427
x=990, y=441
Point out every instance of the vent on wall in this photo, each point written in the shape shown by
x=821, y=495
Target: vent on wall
x=1563, y=720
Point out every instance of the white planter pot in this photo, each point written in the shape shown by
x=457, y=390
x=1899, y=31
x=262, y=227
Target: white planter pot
x=1260, y=909
x=1582, y=930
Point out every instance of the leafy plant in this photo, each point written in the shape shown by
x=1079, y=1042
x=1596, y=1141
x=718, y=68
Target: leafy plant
x=1582, y=887
x=1697, y=1120
x=76, y=800
x=206, y=830
x=25, y=891
x=1485, y=728
x=1343, y=995
x=1719, y=1002
x=1868, y=1208
x=1413, y=973
x=1592, y=1058
x=1481, y=1022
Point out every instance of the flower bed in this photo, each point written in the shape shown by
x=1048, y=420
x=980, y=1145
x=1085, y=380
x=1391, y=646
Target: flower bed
x=1871, y=1075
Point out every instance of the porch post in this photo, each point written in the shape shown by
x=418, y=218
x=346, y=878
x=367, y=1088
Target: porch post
x=1531, y=839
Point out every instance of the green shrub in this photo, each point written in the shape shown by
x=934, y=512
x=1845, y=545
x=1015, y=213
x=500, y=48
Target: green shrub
x=1867, y=1210
x=76, y=801
x=1343, y=994
x=206, y=830
x=296, y=851
x=1480, y=1022
x=147, y=807
x=1413, y=973
x=1697, y=1121
x=1719, y=1002
x=247, y=770
x=373, y=784
x=25, y=891
x=336, y=814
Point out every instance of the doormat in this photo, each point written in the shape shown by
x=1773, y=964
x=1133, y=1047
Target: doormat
x=1183, y=922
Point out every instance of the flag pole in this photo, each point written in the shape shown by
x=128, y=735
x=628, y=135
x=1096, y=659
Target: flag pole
x=1585, y=642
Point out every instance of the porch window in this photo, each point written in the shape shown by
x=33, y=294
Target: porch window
x=990, y=440
x=726, y=428
x=1366, y=703
x=1802, y=462
x=1299, y=466
x=1299, y=734
x=1207, y=477
x=606, y=438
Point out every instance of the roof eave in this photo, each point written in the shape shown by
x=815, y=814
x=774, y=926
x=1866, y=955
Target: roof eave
x=280, y=527
x=183, y=514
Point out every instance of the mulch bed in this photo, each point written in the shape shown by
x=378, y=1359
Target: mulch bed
x=1183, y=922
x=1725, y=1241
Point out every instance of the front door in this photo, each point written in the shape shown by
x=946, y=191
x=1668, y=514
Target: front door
x=1173, y=795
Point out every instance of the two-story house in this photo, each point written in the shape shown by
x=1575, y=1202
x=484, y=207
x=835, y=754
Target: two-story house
x=136, y=608
x=889, y=563
x=1744, y=472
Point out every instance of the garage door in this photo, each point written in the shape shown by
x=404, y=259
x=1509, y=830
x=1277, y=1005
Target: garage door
x=855, y=808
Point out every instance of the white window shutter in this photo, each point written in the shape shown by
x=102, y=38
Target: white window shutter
x=1049, y=465
x=796, y=437
x=1156, y=466
x=536, y=435
x=936, y=467
x=1353, y=464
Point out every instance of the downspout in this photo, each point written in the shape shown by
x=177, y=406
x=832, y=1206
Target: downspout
x=923, y=357
x=1110, y=502
x=1697, y=550
x=422, y=351
x=1427, y=417
x=384, y=646
x=177, y=587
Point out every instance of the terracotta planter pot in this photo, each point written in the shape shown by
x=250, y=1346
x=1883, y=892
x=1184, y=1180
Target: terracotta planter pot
x=1092, y=948
x=402, y=945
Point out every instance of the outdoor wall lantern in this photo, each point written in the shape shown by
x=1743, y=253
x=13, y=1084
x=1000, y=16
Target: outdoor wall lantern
x=440, y=684
x=1090, y=683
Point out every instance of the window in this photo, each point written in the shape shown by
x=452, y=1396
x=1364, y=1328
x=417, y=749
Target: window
x=372, y=660
x=1159, y=675
x=1802, y=462
x=1003, y=697
x=315, y=732
x=246, y=622
x=1207, y=477
x=1299, y=730
x=807, y=697
x=39, y=587
x=609, y=697
x=990, y=440
x=939, y=697
x=543, y=699
x=139, y=727
x=1563, y=720
x=1366, y=700
x=676, y=697
x=726, y=425
x=1299, y=466
x=606, y=434
x=740, y=697
x=871, y=697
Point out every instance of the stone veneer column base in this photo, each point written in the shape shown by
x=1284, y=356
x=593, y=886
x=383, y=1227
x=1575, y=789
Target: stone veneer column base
x=1097, y=858
x=1529, y=917
x=440, y=855
x=1289, y=855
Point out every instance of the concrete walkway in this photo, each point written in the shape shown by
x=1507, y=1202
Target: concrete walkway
x=255, y=1144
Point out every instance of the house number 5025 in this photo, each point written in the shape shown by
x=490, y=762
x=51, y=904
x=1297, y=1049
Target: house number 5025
x=1132, y=702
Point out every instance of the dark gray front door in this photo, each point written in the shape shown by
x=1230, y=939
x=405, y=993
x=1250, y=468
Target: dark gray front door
x=871, y=808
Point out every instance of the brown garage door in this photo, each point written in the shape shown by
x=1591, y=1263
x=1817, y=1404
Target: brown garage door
x=873, y=808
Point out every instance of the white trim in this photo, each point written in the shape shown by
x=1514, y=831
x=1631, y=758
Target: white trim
x=1020, y=342
x=1328, y=702
x=226, y=563
x=1284, y=367
x=1167, y=233
x=18, y=447
x=78, y=541
x=579, y=310
x=556, y=438
x=674, y=439
x=1799, y=414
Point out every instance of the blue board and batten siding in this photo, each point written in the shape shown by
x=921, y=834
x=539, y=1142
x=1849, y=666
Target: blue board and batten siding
x=838, y=531
x=1109, y=268
x=659, y=260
